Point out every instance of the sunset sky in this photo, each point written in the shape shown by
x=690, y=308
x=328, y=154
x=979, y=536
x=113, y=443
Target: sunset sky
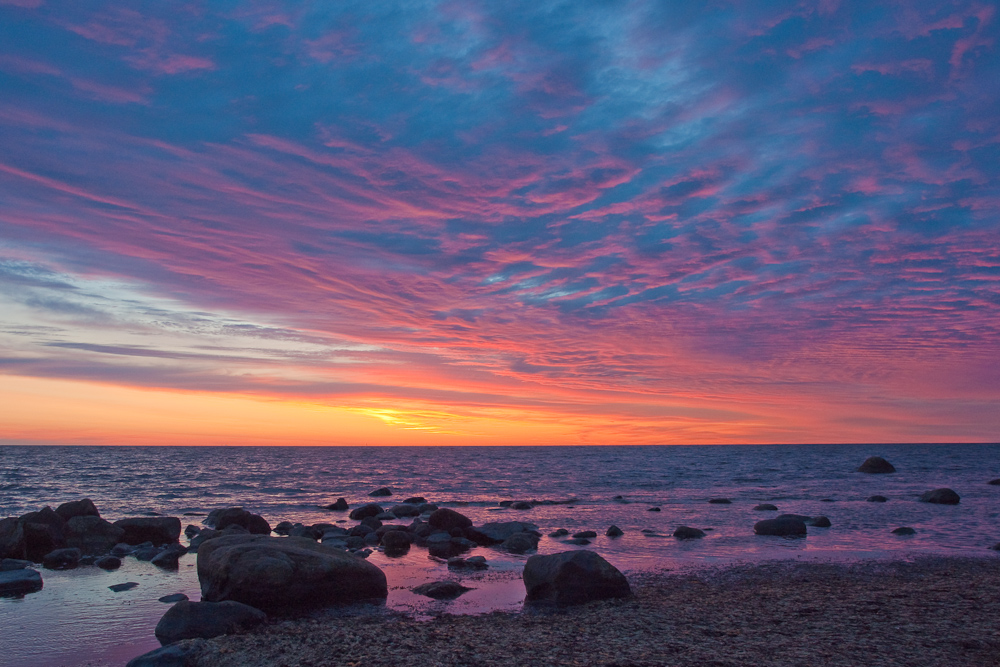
x=489, y=223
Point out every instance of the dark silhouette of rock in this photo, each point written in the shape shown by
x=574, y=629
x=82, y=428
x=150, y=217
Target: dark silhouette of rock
x=92, y=535
x=405, y=510
x=158, y=530
x=471, y=563
x=688, y=533
x=498, y=531
x=765, y=507
x=782, y=527
x=175, y=597
x=446, y=519
x=62, y=559
x=108, y=563
x=520, y=543
x=237, y=516
x=339, y=506
x=19, y=582
x=876, y=465
x=74, y=508
x=573, y=577
x=577, y=541
x=441, y=590
x=119, y=588
x=415, y=500
x=181, y=654
x=279, y=572
x=43, y=531
x=819, y=522
x=381, y=492
x=520, y=505
x=614, y=531
x=8, y=564
x=720, y=501
x=559, y=532
x=167, y=559
x=994, y=482
x=191, y=620
x=365, y=511
x=941, y=497
x=877, y=499
x=585, y=533
x=653, y=509
x=396, y=541
x=427, y=508
x=11, y=538
x=904, y=530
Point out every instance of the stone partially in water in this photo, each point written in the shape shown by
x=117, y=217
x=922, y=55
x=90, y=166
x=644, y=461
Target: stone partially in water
x=688, y=533
x=127, y=586
x=175, y=597
x=877, y=499
x=62, y=559
x=781, y=527
x=573, y=577
x=441, y=590
x=559, y=532
x=765, y=507
x=876, y=465
x=941, y=497
x=585, y=533
x=520, y=543
x=365, y=511
x=446, y=519
x=204, y=620
x=904, y=530
x=108, y=563
x=614, y=531
x=720, y=501
x=182, y=654
x=339, y=506
x=19, y=582
x=653, y=509
x=158, y=530
x=381, y=492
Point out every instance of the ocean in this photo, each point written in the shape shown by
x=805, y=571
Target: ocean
x=76, y=620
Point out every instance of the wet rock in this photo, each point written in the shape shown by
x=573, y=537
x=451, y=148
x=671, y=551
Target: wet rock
x=237, y=516
x=614, y=531
x=43, y=531
x=283, y=528
x=559, y=532
x=441, y=590
x=415, y=500
x=359, y=531
x=191, y=530
x=573, y=577
x=339, y=506
x=127, y=586
x=688, y=533
x=76, y=508
x=765, y=507
x=372, y=522
x=941, y=497
x=782, y=527
x=158, y=530
x=876, y=465
x=181, y=654
x=520, y=543
x=62, y=559
x=146, y=554
x=396, y=542
x=520, y=505
x=427, y=508
x=619, y=499
x=577, y=541
x=386, y=516
x=371, y=539
x=284, y=572
x=204, y=536
x=471, y=563
x=167, y=559
x=446, y=519
x=92, y=535
x=405, y=510
x=496, y=532
x=653, y=509
x=191, y=620
x=996, y=547
x=381, y=492
x=904, y=530
x=877, y=499
x=994, y=482
x=121, y=549
x=720, y=501
x=365, y=511
x=14, y=583
x=585, y=533
x=8, y=564
x=819, y=522
x=11, y=538
x=108, y=563
x=176, y=597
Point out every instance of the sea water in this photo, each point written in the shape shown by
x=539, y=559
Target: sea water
x=76, y=620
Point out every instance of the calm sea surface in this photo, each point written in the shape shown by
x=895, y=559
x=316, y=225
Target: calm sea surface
x=76, y=620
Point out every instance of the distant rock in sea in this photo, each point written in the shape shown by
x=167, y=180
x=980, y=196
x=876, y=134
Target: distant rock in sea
x=781, y=527
x=941, y=497
x=339, y=506
x=765, y=507
x=688, y=533
x=877, y=499
x=904, y=530
x=876, y=465
x=720, y=501
x=614, y=531
x=381, y=492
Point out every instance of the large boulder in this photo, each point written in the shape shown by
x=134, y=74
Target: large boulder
x=92, y=535
x=789, y=526
x=74, y=508
x=446, y=519
x=365, y=511
x=184, y=653
x=573, y=577
x=497, y=531
x=941, y=497
x=237, y=516
x=11, y=538
x=275, y=572
x=43, y=531
x=876, y=465
x=156, y=529
x=19, y=582
x=191, y=620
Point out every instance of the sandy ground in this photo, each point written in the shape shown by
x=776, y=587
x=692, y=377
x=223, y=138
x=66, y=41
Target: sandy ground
x=933, y=611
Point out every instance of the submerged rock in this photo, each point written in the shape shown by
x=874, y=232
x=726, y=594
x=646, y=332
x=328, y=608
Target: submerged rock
x=688, y=533
x=19, y=582
x=904, y=530
x=877, y=499
x=521, y=505
x=653, y=509
x=782, y=527
x=573, y=577
x=585, y=533
x=876, y=465
x=441, y=590
x=284, y=572
x=941, y=497
x=191, y=620
x=765, y=507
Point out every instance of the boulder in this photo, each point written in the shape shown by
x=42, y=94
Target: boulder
x=573, y=577
x=876, y=465
x=11, y=538
x=108, y=563
x=381, y=492
x=404, y=510
x=446, y=519
x=62, y=559
x=167, y=559
x=365, y=511
x=339, y=506
x=8, y=564
x=653, y=509
x=415, y=500
x=941, y=497
x=614, y=531
x=994, y=482
x=74, y=508
x=92, y=535
x=191, y=620
x=497, y=531
x=688, y=533
x=396, y=541
x=237, y=516
x=782, y=526
x=44, y=531
x=585, y=533
x=441, y=590
x=155, y=529
x=520, y=543
x=819, y=522
x=521, y=505
x=283, y=572
x=720, y=501
x=427, y=508
x=19, y=582
x=877, y=499
x=765, y=507
x=904, y=530
x=559, y=532
x=181, y=654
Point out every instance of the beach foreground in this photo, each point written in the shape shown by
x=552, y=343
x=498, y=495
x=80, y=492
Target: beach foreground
x=932, y=611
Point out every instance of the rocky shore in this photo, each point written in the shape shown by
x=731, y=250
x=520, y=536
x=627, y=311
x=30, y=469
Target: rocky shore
x=933, y=611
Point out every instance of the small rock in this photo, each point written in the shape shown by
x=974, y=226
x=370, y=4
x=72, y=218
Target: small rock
x=181, y=654
x=782, y=527
x=19, y=582
x=176, y=597
x=688, y=533
x=381, y=492
x=559, y=532
x=108, y=563
x=365, y=511
x=415, y=500
x=446, y=519
x=127, y=586
x=578, y=541
x=339, y=506
x=520, y=505
x=396, y=541
x=720, y=501
x=614, y=531
x=941, y=497
x=168, y=559
x=819, y=522
x=471, y=563
x=877, y=499
x=520, y=543
x=876, y=465
x=405, y=510
x=994, y=482
x=765, y=507
x=585, y=533
x=146, y=553
x=441, y=590
x=9, y=564
x=653, y=509
x=904, y=530
x=62, y=559
x=386, y=516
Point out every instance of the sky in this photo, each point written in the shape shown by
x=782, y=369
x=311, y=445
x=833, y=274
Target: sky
x=572, y=222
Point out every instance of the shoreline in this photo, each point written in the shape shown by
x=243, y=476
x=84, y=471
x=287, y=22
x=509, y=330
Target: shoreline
x=931, y=610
